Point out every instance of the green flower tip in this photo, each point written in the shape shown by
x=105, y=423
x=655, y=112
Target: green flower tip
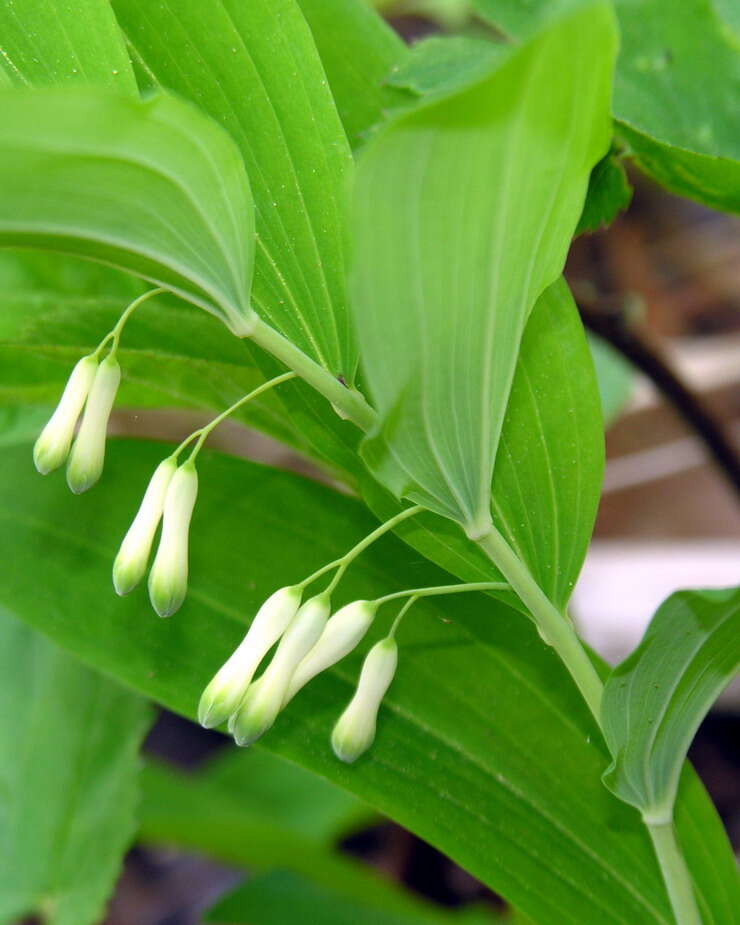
x=354, y=732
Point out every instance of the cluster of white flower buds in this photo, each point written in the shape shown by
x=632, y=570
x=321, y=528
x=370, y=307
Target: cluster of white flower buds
x=170, y=497
x=92, y=386
x=310, y=640
x=308, y=637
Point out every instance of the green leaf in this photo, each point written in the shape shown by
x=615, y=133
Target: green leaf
x=676, y=88
x=358, y=51
x=281, y=897
x=675, y=97
x=452, y=761
x=45, y=44
x=655, y=700
x=68, y=772
x=609, y=193
x=154, y=188
x=549, y=467
x=255, y=69
x=445, y=274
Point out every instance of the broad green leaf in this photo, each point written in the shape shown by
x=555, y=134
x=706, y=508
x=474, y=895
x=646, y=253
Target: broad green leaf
x=655, y=700
x=676, y=88
x=675, y=97
x=549, y=467
x=281, y=897
x=358, y=52
x=484, y=746
x=44, y=43
x=68, y=780
x=445, y=274
x=254, y=68
x=154, y=188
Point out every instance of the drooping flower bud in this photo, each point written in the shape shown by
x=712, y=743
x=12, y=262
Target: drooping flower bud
x=355, y=730
x=264, y=698
x=133, y=556
x=88, y=451
x=342, y=633
x=168, y=579
x=228, y=687
x=52, y=447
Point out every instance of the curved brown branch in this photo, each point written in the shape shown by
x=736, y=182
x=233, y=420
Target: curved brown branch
x=613, y=325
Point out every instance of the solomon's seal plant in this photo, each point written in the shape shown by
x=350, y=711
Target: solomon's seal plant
x=358, y=249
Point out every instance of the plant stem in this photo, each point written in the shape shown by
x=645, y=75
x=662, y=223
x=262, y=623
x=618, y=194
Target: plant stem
x=350, y=403
x=554, y=628
x=612, y=323
x=402, y=613
x=436, y=590
x=203, y=432
x=675, y=873
x=115, y=333
x=347, y=559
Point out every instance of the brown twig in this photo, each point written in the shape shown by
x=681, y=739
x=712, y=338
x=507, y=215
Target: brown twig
x=612, y=323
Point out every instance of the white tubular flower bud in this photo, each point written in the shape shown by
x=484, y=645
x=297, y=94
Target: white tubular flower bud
x=264, y=698
x=88, y=451
x=228, y=687
x=133, y=556
x=355, y=730
x=342, y=633
x=168, y=579
x=52, y=447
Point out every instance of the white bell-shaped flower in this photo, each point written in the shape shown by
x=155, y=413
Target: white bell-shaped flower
x=52, y=447
x=133, y=556
x=228, y=687
x=86, y=460
x=355, y=730
x=342, y=633
x=168, y=579
x=264, y=699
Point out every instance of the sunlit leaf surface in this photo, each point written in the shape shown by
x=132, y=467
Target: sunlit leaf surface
x=445, y=273
x=155, y=188
x=495, y=799
x=254, y=68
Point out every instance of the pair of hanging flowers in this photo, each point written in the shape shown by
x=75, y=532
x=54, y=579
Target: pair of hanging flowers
x=308, y=638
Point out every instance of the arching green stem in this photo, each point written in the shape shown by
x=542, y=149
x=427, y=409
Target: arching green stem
x=115, y=333
x=343, y=562
x=349, y=402
x=438, y=590
x=204, y=432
